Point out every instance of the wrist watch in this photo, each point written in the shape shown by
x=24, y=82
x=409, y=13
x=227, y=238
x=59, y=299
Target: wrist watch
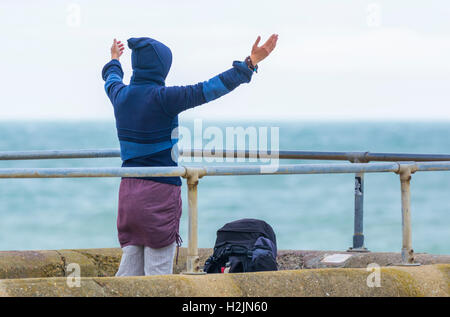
x=250, y=65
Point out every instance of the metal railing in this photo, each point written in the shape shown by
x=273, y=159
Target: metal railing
x=363, y=157
x=404, y=167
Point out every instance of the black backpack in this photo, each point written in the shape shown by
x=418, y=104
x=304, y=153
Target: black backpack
x=245, y=245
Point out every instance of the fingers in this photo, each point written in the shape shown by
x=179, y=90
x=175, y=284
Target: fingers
x=117, y=49
x=271, y=43
x=257, y=42
x=274, y=42
x=118, y=43
x=118, y=46
x=268, y=41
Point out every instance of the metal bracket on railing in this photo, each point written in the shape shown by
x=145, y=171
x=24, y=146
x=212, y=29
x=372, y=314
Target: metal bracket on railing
x=358, y=157
x=193, y=174
x=358, y=234
x=405, y=171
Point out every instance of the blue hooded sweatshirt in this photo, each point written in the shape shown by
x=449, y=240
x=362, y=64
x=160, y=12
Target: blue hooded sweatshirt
x=146, y=111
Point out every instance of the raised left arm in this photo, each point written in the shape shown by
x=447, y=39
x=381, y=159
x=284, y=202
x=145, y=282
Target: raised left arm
x=112, y=72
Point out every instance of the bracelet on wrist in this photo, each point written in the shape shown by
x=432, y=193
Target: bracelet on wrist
x=250, y=65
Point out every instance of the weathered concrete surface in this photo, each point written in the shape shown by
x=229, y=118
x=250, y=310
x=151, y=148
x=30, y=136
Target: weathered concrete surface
x=426, y=280
x=288, y=260
x=15, y=264
x=104, y=262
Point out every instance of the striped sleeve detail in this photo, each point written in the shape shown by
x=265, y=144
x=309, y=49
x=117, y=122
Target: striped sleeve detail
x=112, y=78
x=214, y=88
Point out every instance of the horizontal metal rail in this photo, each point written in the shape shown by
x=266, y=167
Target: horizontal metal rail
x=92, y=172
x=58, y=154
x=284, y=154
x=219, y=170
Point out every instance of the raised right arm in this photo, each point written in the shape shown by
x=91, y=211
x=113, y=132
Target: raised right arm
x=176, y=99
x=179, y=98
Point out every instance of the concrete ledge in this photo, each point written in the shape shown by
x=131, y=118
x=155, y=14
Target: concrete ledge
x=426, y=280
x=105, y=262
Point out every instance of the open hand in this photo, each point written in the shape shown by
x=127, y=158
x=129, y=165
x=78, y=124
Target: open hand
x=117, y=49
x=261, y=52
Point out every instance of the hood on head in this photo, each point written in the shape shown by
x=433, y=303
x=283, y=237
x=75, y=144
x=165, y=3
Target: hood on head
x=150, y=60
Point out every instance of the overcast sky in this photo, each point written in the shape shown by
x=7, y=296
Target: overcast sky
x=350, y=59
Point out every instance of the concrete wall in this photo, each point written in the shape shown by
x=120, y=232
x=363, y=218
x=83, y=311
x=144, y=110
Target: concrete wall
x=425, y=280
x=104, y=262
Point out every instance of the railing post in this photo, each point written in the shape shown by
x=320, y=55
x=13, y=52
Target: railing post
x=192, y=261
x=358, y=233
x=405, y=172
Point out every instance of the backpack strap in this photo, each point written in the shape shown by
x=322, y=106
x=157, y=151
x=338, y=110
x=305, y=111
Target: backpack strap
x=225, y=254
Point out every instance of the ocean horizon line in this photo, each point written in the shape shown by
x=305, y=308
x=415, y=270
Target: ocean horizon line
x=227, y=120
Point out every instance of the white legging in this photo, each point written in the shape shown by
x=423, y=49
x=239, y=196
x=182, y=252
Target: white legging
x=140, y=260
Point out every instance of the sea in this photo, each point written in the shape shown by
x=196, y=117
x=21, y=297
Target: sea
x=307, y=212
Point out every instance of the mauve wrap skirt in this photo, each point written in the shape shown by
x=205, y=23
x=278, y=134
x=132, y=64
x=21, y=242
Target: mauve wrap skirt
x=149, y=213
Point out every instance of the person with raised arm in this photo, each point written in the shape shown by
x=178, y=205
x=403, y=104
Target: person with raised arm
x=146, y=113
